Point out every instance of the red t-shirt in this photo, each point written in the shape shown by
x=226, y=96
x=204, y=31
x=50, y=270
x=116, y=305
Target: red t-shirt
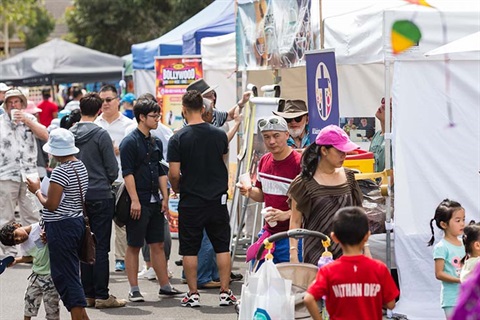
x=48, y=109
x=355, y=287
x=274, y=178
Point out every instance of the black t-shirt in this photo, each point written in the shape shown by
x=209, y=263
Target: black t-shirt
x=204, y=177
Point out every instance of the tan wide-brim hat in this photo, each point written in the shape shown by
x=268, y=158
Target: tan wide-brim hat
x=16, y=93
x=293, y=109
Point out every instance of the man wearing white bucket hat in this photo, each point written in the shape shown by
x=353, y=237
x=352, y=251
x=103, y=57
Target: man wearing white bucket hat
x=18, y=130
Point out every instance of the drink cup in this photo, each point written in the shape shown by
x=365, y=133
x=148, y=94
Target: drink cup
x=244, y=180
x=264, y=212
x=13, y=112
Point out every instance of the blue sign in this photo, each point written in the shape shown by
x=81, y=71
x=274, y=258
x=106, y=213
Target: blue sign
x=322, y=90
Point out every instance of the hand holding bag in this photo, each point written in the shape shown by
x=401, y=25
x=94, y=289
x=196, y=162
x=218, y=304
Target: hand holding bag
x=89, y=242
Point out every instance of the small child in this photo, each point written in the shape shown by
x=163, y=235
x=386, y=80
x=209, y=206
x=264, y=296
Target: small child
x=471, y=240
x=355, y=286
x=448, y=252
x=40, y=283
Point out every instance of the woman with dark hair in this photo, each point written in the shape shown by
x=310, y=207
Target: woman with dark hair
x=323, y=187
x=62, y=218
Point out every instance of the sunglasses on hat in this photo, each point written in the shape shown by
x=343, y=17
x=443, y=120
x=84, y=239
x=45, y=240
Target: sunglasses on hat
x=264, y=122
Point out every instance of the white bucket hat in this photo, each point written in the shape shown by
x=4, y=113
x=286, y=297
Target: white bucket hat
x=61, y=142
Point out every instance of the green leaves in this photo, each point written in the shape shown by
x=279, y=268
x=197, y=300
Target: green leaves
x=114, y=25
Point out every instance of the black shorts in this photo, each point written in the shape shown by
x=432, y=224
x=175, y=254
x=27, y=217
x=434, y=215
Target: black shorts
x=214, y=218
x=148, y=228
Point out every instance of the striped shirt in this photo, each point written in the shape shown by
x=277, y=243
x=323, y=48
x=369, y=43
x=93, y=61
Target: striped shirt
x=71, y=205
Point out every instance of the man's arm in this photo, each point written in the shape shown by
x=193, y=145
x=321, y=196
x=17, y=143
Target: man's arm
x=38, y=129
x=239, y=105
x=174, y=176
x=135, y=207
x=163, y=183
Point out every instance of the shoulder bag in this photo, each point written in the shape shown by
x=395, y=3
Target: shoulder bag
x=89, y=242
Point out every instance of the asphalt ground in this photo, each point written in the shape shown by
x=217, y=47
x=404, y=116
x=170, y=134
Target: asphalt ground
x=14, y=281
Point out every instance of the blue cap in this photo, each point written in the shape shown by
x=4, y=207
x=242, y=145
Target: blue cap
x=129, y=97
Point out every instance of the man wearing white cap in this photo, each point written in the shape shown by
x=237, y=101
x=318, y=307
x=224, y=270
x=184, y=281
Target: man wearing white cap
x=18, y=158
x=276, y=170
x=3, y=89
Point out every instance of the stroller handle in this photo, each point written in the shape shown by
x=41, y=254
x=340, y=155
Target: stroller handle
x=294, y=233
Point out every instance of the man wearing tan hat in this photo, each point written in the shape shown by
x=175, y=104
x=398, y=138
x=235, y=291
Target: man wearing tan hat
x=296, y=115
x=18, y=130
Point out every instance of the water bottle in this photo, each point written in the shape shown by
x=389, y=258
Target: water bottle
x=325, y=259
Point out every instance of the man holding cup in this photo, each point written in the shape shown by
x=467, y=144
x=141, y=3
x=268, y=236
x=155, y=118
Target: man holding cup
x=276, y=170
x=18, y=130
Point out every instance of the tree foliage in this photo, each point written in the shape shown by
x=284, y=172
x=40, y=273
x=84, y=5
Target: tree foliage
x=114, y=25
x=37, y=30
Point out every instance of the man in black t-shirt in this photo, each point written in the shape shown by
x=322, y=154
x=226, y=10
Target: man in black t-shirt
x=197, y=171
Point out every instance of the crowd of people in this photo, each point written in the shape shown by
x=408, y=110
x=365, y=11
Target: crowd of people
x=99, y=150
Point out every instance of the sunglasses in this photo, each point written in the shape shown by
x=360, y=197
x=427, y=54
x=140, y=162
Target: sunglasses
x=264, y=122
x=297, y=119
x=108, y=100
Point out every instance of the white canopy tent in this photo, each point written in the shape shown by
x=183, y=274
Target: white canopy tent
x=432, y=164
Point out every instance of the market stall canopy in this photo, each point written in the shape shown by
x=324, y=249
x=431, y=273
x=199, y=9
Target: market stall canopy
x=171, y=42
x=59, y=61
x=224, y=24
x=470, y=43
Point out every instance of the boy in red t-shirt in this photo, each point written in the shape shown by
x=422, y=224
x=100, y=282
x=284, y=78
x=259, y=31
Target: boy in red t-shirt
x=354, y=286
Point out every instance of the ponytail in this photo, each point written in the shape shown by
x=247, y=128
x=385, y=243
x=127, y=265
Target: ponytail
x=310, y=160
x=432, y=239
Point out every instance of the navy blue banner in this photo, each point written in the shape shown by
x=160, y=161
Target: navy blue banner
x=322, y=90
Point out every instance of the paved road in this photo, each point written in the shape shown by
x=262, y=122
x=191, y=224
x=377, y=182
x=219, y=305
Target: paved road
x=14, y=280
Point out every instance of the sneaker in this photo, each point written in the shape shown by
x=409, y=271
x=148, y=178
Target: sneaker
x=111, y=302
x=227, y=298
x=179, y=262
x=172, y=292
x=90, y=302
x=210, y=284
x=147, y=274
x=191, y=300
x=135, y=296
x=236, y=276
x=119, y=266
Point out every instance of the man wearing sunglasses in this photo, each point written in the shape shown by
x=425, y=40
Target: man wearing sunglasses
x=296, y=115
x=112, y=120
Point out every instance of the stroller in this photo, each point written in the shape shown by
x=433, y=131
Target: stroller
x=301, y=275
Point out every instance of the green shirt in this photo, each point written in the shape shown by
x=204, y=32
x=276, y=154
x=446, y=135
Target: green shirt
x=34, y=247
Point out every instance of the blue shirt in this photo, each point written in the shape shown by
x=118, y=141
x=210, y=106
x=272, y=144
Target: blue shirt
x=452, y=255
x=305, y=140
x=140, y=156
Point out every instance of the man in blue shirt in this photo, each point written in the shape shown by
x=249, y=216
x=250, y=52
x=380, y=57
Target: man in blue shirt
x=295, y=113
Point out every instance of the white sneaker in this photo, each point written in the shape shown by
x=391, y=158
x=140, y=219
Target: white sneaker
x=147, y=273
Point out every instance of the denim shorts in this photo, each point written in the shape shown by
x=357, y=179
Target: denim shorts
x=149, y=227
x=64, y=240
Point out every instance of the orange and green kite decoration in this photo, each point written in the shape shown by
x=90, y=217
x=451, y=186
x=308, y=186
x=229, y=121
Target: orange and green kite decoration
x=404, y=35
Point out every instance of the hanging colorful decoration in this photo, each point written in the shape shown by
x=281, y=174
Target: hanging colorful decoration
x=405, y=34
x=420, y=3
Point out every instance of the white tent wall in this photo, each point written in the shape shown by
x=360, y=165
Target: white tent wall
x=432, y=162
x=144, y=81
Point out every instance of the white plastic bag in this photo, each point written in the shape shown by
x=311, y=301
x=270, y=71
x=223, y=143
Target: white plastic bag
x=267, y=295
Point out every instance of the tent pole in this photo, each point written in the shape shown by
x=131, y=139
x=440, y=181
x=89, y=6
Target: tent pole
x=388, y=156
x=54, y=92
x=322, y=26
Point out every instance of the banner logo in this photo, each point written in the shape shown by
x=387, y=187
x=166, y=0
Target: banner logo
x=323, y=91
